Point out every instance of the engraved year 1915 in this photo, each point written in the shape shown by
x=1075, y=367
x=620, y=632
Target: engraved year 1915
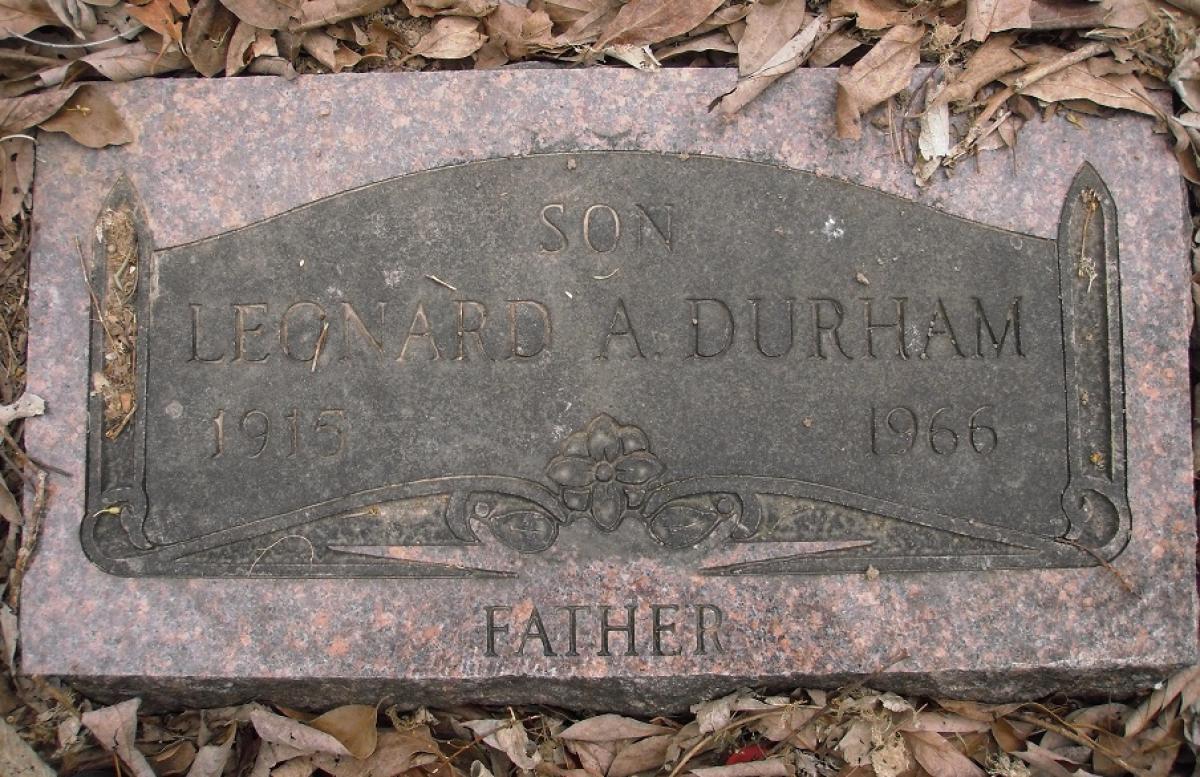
x=320, y=433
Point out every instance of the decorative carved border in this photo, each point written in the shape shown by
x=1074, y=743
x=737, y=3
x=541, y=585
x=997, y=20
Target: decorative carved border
x=607, y=473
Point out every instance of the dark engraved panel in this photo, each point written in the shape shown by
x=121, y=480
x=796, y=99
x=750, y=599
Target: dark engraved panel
x=518, y=363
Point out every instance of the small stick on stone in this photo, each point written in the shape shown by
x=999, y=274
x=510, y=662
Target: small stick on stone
x=312, y=552
x=442, y=283
x=1102, y=561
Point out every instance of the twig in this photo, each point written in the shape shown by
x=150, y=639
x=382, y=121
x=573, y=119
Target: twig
x=1065, y=730
x=1062, y=63
x=312, y=551
x=708, y=739
x=319, y=346
x=29, y=538
x=695, y=749
x=1102, y=561
x=92, y=292
x=132, y=32
x=977, y=131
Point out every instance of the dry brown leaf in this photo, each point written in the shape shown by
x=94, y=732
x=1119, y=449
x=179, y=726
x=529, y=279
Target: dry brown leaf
x=933, y=142
x=75, y=15
x=18, y=759
x=451, y=37
x=239, y=54
x=14, y=186
x=510, y=738
x=1076, y=82
x=785, y=722
x=856, y=744
x=938, y=757
x=587, y=27
x=396, y=753
x=567, y=12
x=354, y=727
x=519, y=31
x=21, y=17
x=973, y=709
x=1145, y=712
x=269, y=755
x=174, y=759
x=945, y=723
x=304, y=766
x=206, y=36
x=784, y=61
x=644, y=755
x=606, y=728
x=1129, y=14
x=18, y=114
x=712, y=715
x=642, y=22
x=987, y=16
x=10, y=635
x=871, y=14
x=768, y=27
x=264, y=14
x=90, y=118
x=160, y=16
x=294, y=735
x=476, y=8
x=126, y=63
x=1046, y=762
x=832, y=49
x=1187, y=140
x=1065, y=15
x=115, y=728
x=1185, y=77
x=329, y=52
x=17, y=63
x=1006, y=736
x=990, y=61
x=318, y=13
x=713, y=41
x=594, y=757
x=885, y=70
x=725, y=17
x=211, y=759
x=772, y=767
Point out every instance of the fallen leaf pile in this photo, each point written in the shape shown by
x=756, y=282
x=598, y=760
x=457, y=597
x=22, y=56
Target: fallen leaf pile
x=852, y=733
x=991, y=64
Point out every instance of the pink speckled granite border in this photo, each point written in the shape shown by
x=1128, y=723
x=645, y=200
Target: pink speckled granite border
x=213, y=155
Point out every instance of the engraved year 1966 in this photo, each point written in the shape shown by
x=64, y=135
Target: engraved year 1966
x=944, y=431
x=320, y=433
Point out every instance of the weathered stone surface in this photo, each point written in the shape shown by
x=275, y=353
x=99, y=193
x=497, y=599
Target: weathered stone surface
x=439, y=375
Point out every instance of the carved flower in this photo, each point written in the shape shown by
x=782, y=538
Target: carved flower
x=604, y=470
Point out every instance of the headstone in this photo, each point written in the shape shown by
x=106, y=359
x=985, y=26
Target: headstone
x=551, y=386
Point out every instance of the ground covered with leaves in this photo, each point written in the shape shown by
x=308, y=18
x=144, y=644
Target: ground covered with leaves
x=991, y=66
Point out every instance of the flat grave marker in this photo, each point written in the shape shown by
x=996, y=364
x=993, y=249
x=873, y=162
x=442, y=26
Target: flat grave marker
x=530, y=398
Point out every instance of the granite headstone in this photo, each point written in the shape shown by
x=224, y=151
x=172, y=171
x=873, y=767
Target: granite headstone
x=482, y=387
